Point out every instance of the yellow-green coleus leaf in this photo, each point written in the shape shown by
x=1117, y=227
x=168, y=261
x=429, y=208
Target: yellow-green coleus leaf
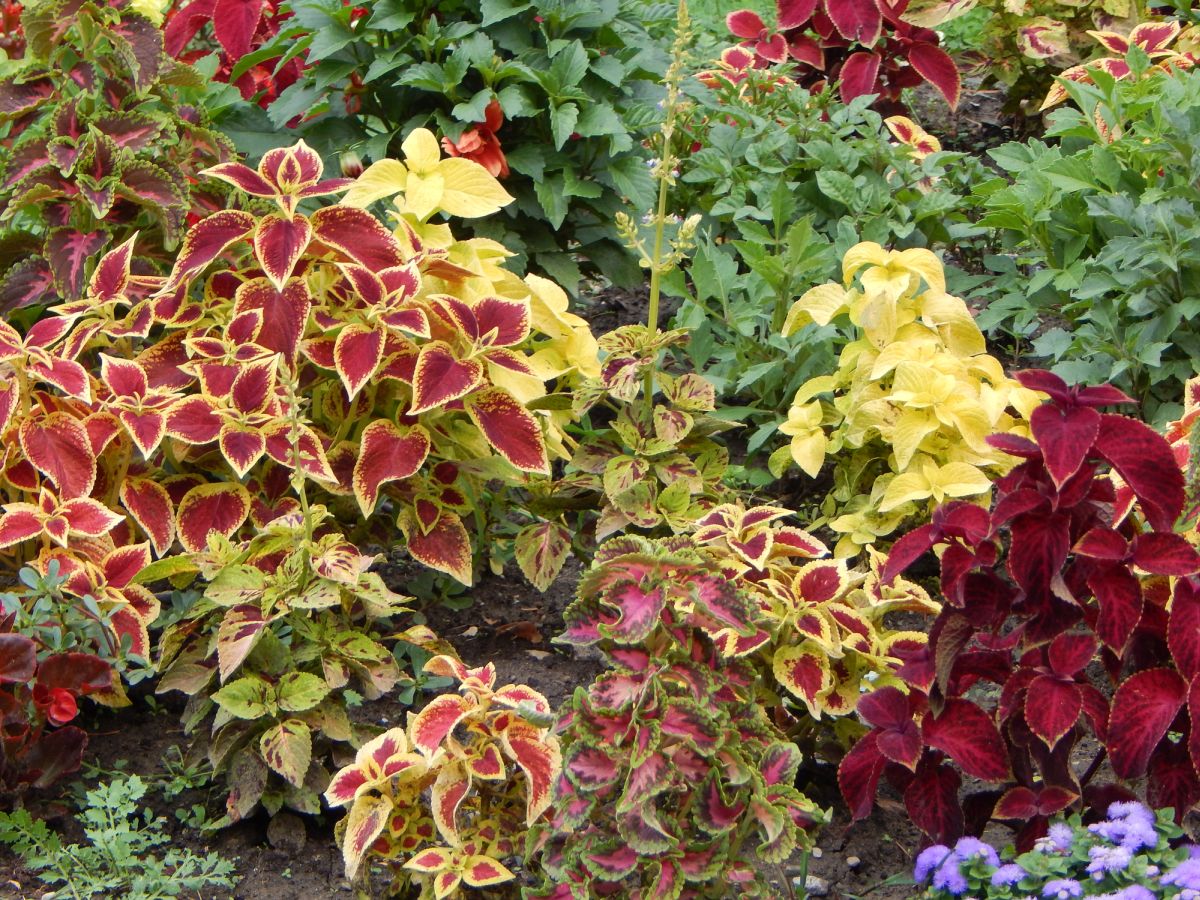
x=933, y=482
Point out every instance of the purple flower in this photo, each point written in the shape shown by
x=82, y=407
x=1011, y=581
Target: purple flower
x=1184, y=875
x=969, y=848
x=928, y=860
x=1134, y=892
x=948, y=877
x=1105, y=859
x=1133, y=830
x=1061, y=836
x=1062, y=889
x=1007, y=875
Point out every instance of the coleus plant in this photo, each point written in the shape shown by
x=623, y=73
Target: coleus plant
x=445, y=803
x=915, y=397
x=675, y=781
x=1074, y=573
x=105, y=139
x=821, y=630
x=864, y=46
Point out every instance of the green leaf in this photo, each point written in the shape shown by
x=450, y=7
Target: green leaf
x=599, y=119
x=838, y=186
x=297, y=99
x=494, y=11
x=247, y=698
x=562, y=123
x=299, y=691
x=569, y=66
x=551, y=196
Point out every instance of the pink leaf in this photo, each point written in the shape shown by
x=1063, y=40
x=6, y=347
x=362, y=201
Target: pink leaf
x=745, y=23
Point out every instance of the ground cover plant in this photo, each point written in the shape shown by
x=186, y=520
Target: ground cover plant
x=298, y=454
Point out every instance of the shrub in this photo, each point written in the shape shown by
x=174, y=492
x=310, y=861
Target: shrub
x=674, y=778
x=1101, y=230
x=106, y=138
x=461, y=749
x=866, y=48
x=778, y=176
x=1128, y=856
x=915, y=397
x=1070, y=576
x=553, y=97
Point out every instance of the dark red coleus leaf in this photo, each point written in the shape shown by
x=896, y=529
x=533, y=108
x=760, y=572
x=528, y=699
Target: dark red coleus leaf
x=858, y=775
x=1065, y=435
x=858, y=75
x=968, y=736
x=932, y=802
x=1143, y=708
x=1143, y=458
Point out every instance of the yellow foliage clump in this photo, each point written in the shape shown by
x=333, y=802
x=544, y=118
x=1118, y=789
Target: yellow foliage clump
x=906, y=416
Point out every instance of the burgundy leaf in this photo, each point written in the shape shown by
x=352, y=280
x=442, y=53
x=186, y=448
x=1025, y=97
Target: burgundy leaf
x=856, y=20
x=935, y=66
x=969, y=736
x=1144, y=459
x=1165, y=553
x=1066, y=435
x=1039, y=548
x=858, y=776
x=1052, y=707
x=906, y=551
x=793, y=13
x=1183, y=629
x=1143, y=708
x=1120, y=597
x=68, y=251
x=858, y=75
x=932, y=802
x=234, y=24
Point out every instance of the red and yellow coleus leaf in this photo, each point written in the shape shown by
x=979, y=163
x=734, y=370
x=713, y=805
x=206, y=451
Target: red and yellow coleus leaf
x=210, y=509
x=430, y=727
x=58, y=446
x=366, y=821
x=58, y=520
x=279, y=243
x=446, y=796
x=538, y=754
x=387, y=453
x=444, y=545
x=510, y=428
x=285, y=175
x=385, y=757
x=441, y=377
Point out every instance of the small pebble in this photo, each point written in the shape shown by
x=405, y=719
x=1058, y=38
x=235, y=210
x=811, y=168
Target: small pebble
x=817, y=852
x=853, y=862
x=814, y=886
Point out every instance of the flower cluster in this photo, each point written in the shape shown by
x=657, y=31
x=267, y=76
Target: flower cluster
x=1128, y=856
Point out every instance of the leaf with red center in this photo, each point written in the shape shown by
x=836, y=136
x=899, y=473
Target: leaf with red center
x=19, y=524
x=254, y=386
x=805, y=672
x=896, y=734
x=234, y=25
x=856, y=20
x=501, y=323
x=88, y=517
x=210, y=509
x=194, y=420
x=858, y=75
x=508, y=426
x=358, y=235
x=18, y=657
x=968, y=736
x=483, y=871
x=446, y=547
x=772, y=48
x=590, y=768
x=779, y=764
x=431, y=725
x=1183, y=629
x=208, y=239
x=150, y=506
x=388, y=453
x=284, y=312
x=345, y=785
x=1165, y=553
x=613, y=863
x=688, y=721
x=936, y=67
x=241, y=447
x=66, y=375
x=111, y=276
x=124, y=377
x=1066, y=436
x=932, y=803
x=638, y=611
x=1143, y=708
x=279, y=243
x=366, y=821
x=540, y=759
x=68, y=251
x=237, y=635
x=714, y=812
x=1052, y=707
x=432, y=860
x=357, y=353
x=487, y=765
x=1144, y=460
x=58, y=446
x=1154, y=37
x=1022, y=803
x=745, y=23
x=717, y=600
x=445, y=798
x=313, y=461
x=441, y=377
x=1103, y=543
x=1070, y=653
x=1120, y=596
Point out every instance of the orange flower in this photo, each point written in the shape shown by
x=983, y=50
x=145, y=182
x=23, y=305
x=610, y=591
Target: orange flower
x=480, y=143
